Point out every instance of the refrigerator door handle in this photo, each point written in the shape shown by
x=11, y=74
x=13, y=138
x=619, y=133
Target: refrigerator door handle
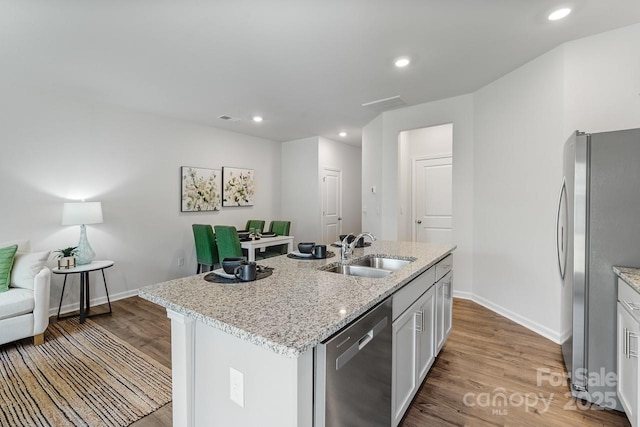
x=560, y=231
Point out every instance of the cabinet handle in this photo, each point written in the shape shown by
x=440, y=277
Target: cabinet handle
x=419, y=325
x=632, y=353
x=625, y=342
x=631, y=306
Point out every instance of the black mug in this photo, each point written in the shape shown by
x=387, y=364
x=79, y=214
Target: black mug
x=229, y=264
x=320, y=251
x=246, y=272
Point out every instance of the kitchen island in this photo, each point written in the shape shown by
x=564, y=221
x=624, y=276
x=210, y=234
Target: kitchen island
x=253, y=342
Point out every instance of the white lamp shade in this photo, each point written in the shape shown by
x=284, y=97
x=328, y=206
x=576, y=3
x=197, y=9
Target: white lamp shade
x=78, y=213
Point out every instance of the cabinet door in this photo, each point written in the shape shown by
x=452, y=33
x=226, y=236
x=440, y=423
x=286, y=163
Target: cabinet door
x=628, y=332
x=439, y=326
x=448, y=306
x=404, y=363
x=424, y=324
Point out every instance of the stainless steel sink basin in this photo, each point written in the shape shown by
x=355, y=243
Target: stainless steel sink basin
x=359, y=270
x=383, y=263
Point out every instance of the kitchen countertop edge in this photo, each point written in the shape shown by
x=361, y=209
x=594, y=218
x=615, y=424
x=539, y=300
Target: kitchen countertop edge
x=278, y=348
x=630, y=275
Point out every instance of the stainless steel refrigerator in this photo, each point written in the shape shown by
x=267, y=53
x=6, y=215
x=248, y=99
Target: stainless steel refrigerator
x=598, y=227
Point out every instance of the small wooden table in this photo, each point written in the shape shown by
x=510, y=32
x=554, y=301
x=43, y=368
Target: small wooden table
x=83, y=271
x=252, y=245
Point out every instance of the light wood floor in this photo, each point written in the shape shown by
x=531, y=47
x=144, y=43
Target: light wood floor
x=486, y=356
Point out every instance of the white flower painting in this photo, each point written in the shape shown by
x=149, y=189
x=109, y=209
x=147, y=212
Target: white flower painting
x=238, y=187
x=201, y=189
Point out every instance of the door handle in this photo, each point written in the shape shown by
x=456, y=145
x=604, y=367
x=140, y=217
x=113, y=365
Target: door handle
x=419, y=221
x=561, y=263
x=339, y=218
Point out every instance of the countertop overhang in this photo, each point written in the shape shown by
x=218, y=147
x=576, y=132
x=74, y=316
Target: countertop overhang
x=630, y=275
x=298, y=306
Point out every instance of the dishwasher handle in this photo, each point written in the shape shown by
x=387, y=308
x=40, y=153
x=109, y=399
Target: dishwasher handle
x=365, y=339
x=351, y=352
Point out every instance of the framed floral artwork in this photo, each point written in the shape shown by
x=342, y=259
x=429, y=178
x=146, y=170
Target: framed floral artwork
x=238, y=187
x=201, y=189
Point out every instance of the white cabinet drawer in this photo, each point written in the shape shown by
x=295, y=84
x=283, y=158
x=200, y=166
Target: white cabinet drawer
x=629, y=298
x=405, y=297
x=444, y=266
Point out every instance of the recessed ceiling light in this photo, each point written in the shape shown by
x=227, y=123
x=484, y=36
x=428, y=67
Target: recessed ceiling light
x=257, y=119
x=402, y=62
x=343, y=134
x=559, y=14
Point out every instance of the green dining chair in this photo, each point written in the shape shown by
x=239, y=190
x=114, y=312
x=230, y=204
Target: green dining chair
x=281, y=228
x=254, y=223
x=227, y=241
x=206, y=249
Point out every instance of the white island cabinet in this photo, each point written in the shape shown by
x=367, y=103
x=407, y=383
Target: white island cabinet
x=273, y=391
x=422, y=322
x=444, y=301
x=413, y=349
x=242, y=354
x=628, y=348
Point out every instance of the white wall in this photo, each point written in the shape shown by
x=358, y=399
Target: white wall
x=348, y=159
x=56, y=149
x=602, y=82
x=510, y=158
x=300, y=190
x=372, y=177
x=380, y=168
x=302, y=163
x=518, y=169
x=424, y=142
x=591, y=84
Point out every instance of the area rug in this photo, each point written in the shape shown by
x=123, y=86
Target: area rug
x=81, y=376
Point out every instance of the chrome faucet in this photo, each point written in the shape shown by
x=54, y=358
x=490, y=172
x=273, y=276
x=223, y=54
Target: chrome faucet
x=347, y=248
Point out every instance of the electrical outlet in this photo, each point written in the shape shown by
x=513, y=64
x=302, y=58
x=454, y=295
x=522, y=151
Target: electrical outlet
x=236, y=386
x=181, y=261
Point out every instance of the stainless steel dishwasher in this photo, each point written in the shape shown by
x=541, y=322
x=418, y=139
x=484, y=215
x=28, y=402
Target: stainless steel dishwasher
x=353, y=373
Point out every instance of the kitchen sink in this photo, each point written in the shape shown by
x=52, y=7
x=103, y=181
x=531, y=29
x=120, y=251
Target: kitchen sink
x=359, y=270
x=369, y=266
x=382, y=263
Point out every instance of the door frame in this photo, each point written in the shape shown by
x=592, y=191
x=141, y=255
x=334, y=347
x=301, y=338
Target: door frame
x=415, y=159
x=322, y=201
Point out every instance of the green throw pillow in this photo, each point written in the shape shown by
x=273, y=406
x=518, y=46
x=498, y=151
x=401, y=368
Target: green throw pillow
x=6, y=262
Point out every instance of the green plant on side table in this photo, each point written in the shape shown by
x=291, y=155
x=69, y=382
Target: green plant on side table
x=66, y=257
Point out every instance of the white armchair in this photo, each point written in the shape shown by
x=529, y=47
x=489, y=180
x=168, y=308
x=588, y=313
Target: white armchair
x=24, y=308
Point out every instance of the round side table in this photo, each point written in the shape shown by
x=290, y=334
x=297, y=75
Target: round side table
x=83, y=271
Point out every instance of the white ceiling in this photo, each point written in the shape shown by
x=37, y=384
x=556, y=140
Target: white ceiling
x=307, y=66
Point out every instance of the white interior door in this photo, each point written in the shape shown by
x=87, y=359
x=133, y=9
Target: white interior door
x=432, y=200
x=331, y=205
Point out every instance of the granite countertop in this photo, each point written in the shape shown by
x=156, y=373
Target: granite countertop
x=298, y=306
x=630, y=275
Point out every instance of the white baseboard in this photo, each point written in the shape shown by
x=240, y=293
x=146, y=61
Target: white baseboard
x=527, y=323
x=565, y=335
x=67, y=308
x=462, y=295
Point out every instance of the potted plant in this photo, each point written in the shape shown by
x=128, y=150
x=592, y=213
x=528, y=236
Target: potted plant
x=66, y=257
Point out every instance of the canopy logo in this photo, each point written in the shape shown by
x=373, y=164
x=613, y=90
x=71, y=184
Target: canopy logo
x=500, y=401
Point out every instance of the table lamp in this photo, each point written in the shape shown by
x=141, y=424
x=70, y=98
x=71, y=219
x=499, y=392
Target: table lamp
x=82, y=213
